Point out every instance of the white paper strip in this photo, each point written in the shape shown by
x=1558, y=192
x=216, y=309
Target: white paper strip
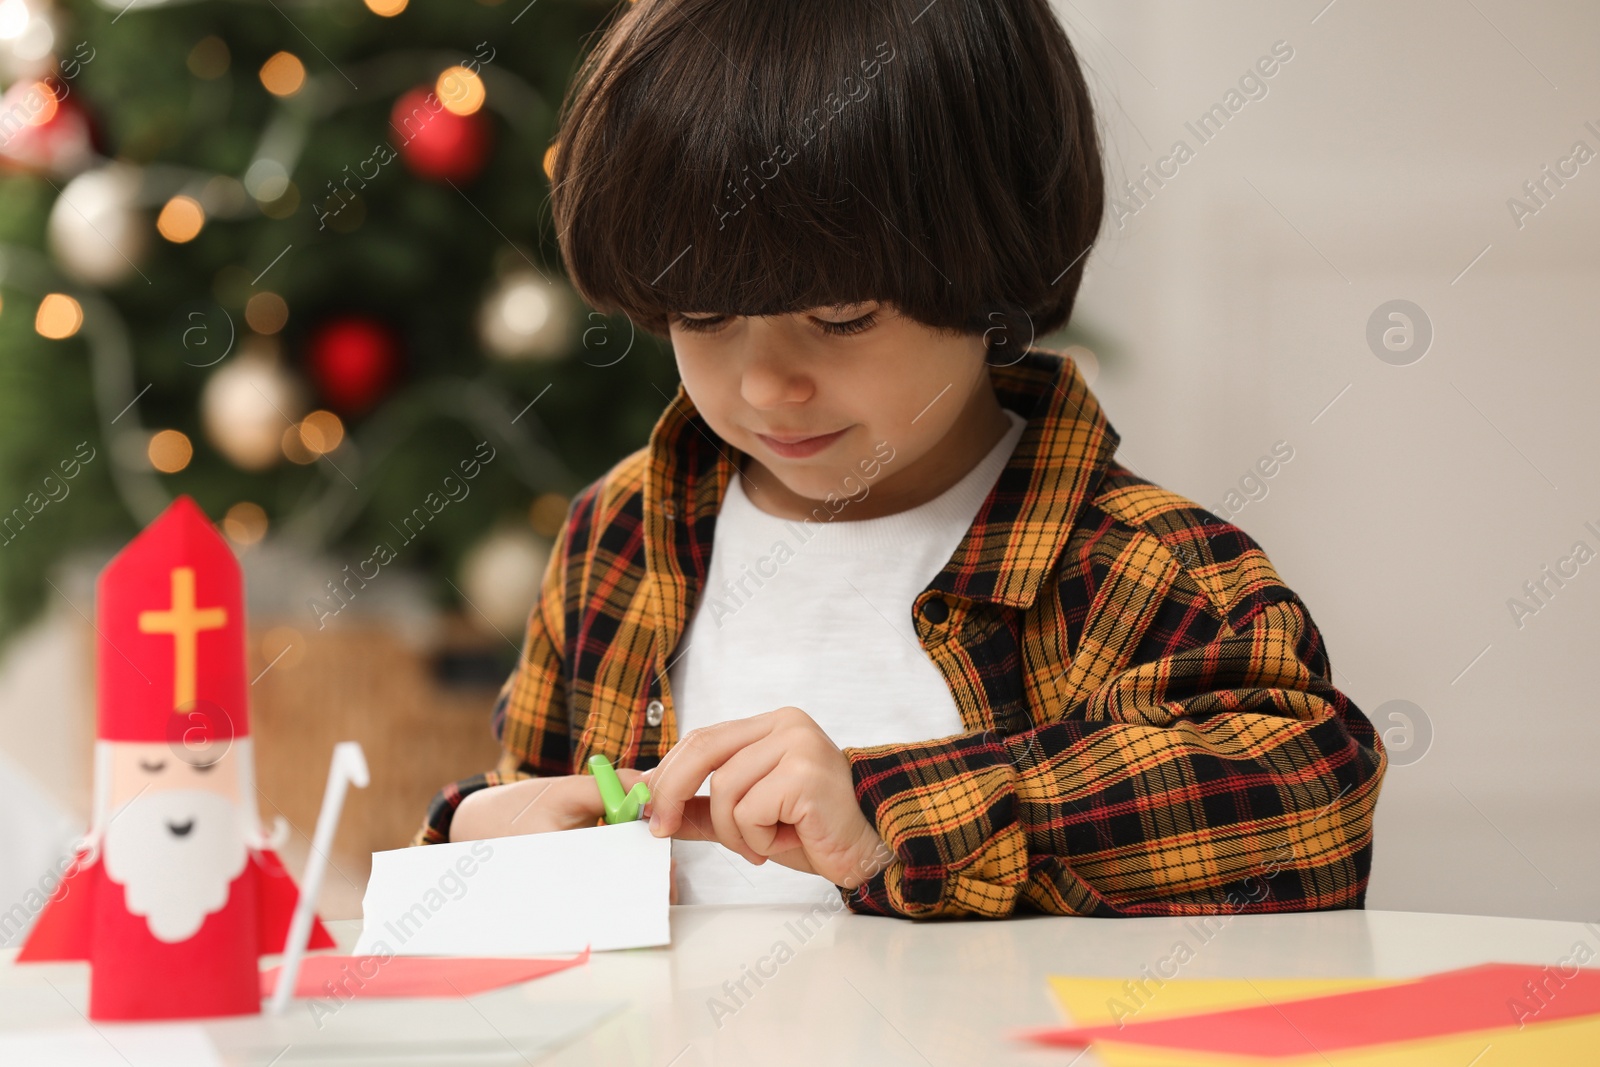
x=605, y=886
x=349, y=767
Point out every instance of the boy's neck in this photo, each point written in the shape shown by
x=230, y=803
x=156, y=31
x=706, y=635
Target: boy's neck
x=979, y=427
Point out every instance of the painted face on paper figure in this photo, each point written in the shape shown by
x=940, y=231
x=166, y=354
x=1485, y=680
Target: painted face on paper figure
x=855, y=400
x=175, y=836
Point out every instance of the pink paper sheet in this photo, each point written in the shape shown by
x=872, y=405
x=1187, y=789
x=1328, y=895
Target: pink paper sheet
x=1475, y=998
x=411, y=976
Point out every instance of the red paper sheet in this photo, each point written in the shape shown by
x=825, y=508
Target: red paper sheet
x=1475, y=998
x=411, y=976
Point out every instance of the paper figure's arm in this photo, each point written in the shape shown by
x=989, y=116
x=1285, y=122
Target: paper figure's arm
x=276, y=896
x=63, y=927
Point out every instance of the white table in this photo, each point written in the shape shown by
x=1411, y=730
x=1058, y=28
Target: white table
x=850, y=988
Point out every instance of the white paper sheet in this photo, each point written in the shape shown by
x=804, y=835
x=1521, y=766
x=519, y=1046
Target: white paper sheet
x=604, y=886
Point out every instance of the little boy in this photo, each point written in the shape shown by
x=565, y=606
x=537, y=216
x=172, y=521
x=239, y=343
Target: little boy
x=877, y=611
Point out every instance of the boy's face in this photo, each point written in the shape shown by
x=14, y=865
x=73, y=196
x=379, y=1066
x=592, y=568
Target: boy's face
x=814, y=406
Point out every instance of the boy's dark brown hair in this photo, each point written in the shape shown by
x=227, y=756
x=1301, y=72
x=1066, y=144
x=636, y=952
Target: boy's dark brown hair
x=760, y=157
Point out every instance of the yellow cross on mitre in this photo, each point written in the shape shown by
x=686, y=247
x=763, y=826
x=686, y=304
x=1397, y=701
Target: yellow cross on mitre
x=184, y=622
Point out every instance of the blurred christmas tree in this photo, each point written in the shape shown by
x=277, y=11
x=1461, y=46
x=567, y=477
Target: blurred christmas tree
x=294, y=259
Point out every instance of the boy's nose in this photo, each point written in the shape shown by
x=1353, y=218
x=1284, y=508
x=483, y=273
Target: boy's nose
x=769, y=383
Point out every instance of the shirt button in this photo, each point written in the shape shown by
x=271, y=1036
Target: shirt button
x=654, y=711
x=669, y=508
x=936, y=611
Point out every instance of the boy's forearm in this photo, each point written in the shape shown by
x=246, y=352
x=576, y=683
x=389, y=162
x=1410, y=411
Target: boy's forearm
x=489, y=812
x=439, y=825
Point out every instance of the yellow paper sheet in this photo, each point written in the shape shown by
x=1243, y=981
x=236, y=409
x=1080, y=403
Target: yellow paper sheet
x=1102, y=1001
x=1570, y=1043
x=1094, y=1002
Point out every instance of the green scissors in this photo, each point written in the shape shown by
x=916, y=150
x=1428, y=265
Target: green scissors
x=619, y=807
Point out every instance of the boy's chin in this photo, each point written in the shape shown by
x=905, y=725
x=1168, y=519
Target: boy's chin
x=809, y=484
x=814, y=487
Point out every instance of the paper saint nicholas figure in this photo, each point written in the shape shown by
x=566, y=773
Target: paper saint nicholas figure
x=175, y=892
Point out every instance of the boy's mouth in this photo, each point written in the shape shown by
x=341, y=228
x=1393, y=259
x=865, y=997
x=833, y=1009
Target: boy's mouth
x=790, y=447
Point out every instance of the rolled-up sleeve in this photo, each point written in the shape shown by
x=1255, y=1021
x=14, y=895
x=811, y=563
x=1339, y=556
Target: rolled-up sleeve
x=1228, y=776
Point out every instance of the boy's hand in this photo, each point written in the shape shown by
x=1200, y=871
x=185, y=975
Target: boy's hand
x=780, y=790
x=534, y=806
x=539, y=805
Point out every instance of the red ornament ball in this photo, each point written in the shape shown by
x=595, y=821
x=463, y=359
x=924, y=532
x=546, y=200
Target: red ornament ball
x=436, y=143
x=56, y=135
x=353, y=359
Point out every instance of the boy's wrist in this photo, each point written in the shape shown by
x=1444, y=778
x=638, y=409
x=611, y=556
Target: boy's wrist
x=876, y=856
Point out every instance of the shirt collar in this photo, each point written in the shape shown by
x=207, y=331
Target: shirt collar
x=1011, y=547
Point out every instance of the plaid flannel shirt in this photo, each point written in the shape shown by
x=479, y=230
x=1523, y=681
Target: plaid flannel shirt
x=1152, y=728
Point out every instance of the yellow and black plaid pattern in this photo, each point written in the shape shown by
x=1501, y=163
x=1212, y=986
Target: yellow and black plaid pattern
x=1151, y=724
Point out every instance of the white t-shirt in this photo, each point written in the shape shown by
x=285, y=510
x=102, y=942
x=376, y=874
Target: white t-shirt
x=817, y=615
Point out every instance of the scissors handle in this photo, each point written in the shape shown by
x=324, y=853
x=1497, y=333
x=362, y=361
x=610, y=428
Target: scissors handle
x=619, y=807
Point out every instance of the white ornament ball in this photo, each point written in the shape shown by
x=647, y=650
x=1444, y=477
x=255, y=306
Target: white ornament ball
x=527, y=317
x=246, y=406
x=1088, y=363
x=96, y=230
x=501, y=577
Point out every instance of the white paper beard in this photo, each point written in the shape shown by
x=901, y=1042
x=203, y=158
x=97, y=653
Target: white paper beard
x=172, y=876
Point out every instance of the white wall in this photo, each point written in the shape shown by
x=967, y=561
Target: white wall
x=1378, y=166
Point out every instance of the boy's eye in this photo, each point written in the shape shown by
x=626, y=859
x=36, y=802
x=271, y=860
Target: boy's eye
x=856, y=325
x=710, y=324
x=713, y=323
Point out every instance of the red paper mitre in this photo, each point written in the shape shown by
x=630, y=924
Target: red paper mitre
x=170, y=664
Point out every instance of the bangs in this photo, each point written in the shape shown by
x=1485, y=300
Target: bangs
x=721, y=156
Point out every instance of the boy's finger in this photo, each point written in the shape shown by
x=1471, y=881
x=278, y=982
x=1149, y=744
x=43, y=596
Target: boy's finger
x=689, y=762
x=696, y=825
x=729, y=785
x=762, y=821
x=760, y=818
